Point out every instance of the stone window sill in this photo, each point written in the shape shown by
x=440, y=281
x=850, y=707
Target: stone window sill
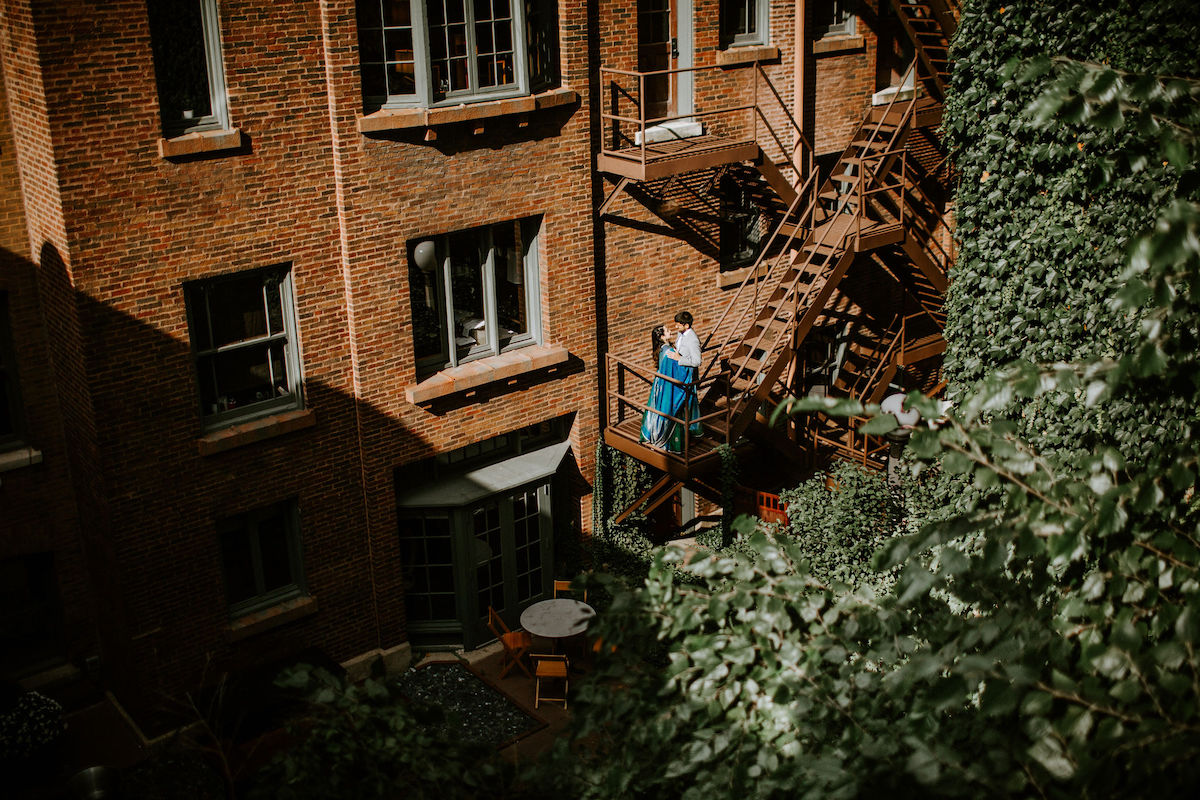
x=19, y=457
x=837, y=44
x=746, y=54
x=273, y=617
x=194, y=144
x=255, y=430
x=504, y=367
x=393, y=119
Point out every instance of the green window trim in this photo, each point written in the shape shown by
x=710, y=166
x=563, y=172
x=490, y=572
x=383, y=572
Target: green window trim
x=12, y=416
x=477, y=296
x=745, y=23
x=262, y=558
x=250, y=371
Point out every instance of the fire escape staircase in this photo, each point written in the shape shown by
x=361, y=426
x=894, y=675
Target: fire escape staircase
x=929, y=25
x=873, y=202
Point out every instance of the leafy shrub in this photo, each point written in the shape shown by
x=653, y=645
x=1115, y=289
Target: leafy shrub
x=839, y=519
x=364, y=741
x=1049, y=648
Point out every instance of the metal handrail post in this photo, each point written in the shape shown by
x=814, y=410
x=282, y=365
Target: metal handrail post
x=754, y=114
x=642, y=113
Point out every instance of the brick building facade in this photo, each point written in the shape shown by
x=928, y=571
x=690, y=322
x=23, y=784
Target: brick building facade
x=304, y=315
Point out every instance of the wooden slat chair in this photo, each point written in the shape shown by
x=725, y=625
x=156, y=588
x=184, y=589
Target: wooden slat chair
x=564, y=588
x=550, y=668
x=516, y=644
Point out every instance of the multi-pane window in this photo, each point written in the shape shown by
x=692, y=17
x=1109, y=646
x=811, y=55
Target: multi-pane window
x=527, y=510
x=743, y=224
x=428, y=567
x=744, y=22
x=489, y=555
x=474, y=293
x=261, y=555
x=244, y=339
x=833, y=18
x=423, y=52
x=10, y=398
x=186, y=40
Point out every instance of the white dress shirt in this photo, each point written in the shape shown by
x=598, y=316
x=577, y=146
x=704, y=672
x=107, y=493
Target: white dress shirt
x=687, y=344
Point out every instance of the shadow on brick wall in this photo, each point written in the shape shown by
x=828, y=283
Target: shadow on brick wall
x=147, y=502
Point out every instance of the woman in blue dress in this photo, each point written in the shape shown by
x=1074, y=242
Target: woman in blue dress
x=670, y=398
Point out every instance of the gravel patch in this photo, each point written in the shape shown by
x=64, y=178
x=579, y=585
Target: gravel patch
x=474, y=711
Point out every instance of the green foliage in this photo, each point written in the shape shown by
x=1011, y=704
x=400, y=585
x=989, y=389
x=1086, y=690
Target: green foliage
x=839, y=519
x=1042, y=230
x=365, y=741
x=621, y=548
x=1041, y=636
x=729, y=481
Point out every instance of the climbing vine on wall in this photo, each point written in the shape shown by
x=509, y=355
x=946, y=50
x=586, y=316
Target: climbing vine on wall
x=1042, y=232
x=729, y=479
x=622, y=547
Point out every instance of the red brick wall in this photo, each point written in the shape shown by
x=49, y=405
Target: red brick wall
x=127, y=228
x=338, y=206
x=38, y=513
x=841, y=82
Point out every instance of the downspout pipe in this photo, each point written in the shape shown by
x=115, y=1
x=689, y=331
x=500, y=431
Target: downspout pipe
x=799, y=61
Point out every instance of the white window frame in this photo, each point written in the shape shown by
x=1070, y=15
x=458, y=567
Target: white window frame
x=761, y=11
x=196, y=295
x=423, y=96
x=210, y=21
x=449, y=357
x=847, y=25
x=246, y=524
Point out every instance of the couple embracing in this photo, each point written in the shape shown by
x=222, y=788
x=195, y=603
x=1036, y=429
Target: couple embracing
x=673, y=393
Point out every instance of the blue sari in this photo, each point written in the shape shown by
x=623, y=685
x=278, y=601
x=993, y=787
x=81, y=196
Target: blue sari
x=673, y=400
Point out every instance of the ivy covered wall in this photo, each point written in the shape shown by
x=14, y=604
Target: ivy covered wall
x=1041, y=239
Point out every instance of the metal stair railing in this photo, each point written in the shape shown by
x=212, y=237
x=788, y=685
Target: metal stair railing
x=860, y=389
x=814, y=248
x=765, y=283
x=791, y=295
x=876, y=178
x=621, y=368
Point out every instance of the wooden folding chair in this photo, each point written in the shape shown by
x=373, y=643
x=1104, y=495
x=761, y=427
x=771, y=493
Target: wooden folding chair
x=516, y=644
x=564, y=587
x=550, y=668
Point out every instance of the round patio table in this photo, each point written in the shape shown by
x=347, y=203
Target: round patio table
x=557, y=619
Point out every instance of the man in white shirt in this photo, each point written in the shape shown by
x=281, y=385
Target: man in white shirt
x=687, y=353
x=687, y=343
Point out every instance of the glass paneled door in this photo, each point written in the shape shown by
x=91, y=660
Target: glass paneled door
x=657, y=50
x=511, y=537
x=459, y=561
